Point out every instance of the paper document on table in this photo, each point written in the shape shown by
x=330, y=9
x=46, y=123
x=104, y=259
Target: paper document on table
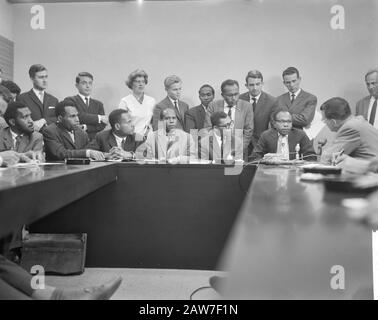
x=34, y=164
x=375, y=263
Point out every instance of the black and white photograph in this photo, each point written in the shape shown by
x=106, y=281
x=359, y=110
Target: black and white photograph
x=165, y=151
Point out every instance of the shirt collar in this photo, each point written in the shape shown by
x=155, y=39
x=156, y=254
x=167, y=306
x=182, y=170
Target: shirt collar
x=83, y=97
x=38, y=92
x=296, y=93
x=118, y=139
x=173, y=101
x=14, y=134
x=257, y=97
x=226, y=104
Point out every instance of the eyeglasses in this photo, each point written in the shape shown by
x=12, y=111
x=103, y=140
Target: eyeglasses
x=284, y=121
x=230, y=95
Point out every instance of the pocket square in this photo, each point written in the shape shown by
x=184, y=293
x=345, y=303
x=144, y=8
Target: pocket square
x=51, y=107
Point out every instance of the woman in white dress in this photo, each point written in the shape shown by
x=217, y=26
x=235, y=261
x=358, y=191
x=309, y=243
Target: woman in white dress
x=138, y=103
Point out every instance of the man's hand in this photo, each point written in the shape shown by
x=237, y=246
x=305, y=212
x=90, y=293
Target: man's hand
x=103, y=119
x=96, y=155
x=9, y=157
x=38, y=124
x=35, y=156
x=118, y=153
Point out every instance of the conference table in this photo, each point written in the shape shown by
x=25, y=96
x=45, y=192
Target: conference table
x=277, y=237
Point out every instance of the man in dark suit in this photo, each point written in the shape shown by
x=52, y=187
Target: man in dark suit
x=239, y=111
x=173, y=86
x=367, y=106
x=283, y=139
x=195, y=117
x=5, y=98
x=118, y=142
x=91, y=111
x=41, y=104
x=298, y=102
x=20, y=135
x=65, y=139
x=261, y=101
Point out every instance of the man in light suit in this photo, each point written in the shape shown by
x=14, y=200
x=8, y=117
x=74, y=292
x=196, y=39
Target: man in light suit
x=65, y=139
x=173, y=86
x=169, y=142
x=41, y=104
x=367, y=106
x=283, y=139
x=220, y=144
x=240, y=111
x=119, y=142
x=20, y=135
x=354, y=135
x=195, y=117
x=261, y=101
x=298, y=102
x=91, y=111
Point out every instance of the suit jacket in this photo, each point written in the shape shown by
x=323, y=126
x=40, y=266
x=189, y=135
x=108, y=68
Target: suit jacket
x=156, y=146
x=32, y=142
x=89, y=115
x=357, y=137
x=261, y=114
x=268, y=144
x=362, y=107
x=302, y=109
x=211, y=150
x=243, y=118
x=105, y=140
x=37, y=109
x=166, y=103
x=195, y=118
x=59, y=145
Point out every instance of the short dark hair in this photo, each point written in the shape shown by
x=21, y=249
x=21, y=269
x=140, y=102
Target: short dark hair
x=228, y=82
x=290, y=70
x=11, y=86
x=60, y=108
x=273, y=115
x=83, y=74
x=336, y=108
x=12, y=110
x=207, y=86
x=162, y=113
x=6, y=94
x=255, y=74
x=216, y=116
x=115, y=116
x=36, y=68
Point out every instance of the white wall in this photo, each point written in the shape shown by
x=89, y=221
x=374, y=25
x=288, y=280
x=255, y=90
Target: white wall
x=6, y=20
x=202, y=42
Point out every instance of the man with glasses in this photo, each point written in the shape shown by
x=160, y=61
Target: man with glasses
x=240, y=112
x=220, y=143
x=283, y=139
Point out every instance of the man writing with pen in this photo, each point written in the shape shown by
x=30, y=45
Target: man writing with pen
x=283, y=139
x=355, y=137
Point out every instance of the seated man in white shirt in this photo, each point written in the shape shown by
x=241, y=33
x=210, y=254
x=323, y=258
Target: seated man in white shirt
x=283, y=139
x=221, y=143
x=168, y=142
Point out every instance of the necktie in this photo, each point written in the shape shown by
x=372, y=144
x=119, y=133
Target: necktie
x=229, y=111
x=254, y=104
x=41, y=96
x=123, y=144
x=373, y=112
x=176, y=106
x=17, y=143
x=222, y=143
x=87, y=101
x=292, y=98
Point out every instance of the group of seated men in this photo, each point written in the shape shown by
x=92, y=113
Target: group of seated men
x=245, y=126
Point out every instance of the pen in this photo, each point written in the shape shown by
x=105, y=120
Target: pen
x=336, y=156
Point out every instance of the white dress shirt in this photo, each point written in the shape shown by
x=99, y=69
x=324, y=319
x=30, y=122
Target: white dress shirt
x=14, y=138
x=257, y=98
x=375, y=124
x=226, y=109
x=40, y=94
x=118, y=140
x=283, y=146
x=141, y=113
x=295, y=93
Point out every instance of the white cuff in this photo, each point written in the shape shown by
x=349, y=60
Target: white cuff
x=88, y=153
x=99, y=118
x=1, y=161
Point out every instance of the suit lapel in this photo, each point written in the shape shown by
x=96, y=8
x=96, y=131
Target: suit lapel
x=366, y=108
x=66, y=136
x=112, y=140
x=239, y=119
x=36, y=99
x=260, y=104
x=201, y=113
x=8, y=141
x=297, y=100
x=80, y=102
x=24, y=142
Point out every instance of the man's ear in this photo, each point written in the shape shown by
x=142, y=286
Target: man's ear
x=77, y=86
x=12, y=122
x=59, y=118
x=117, y=126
